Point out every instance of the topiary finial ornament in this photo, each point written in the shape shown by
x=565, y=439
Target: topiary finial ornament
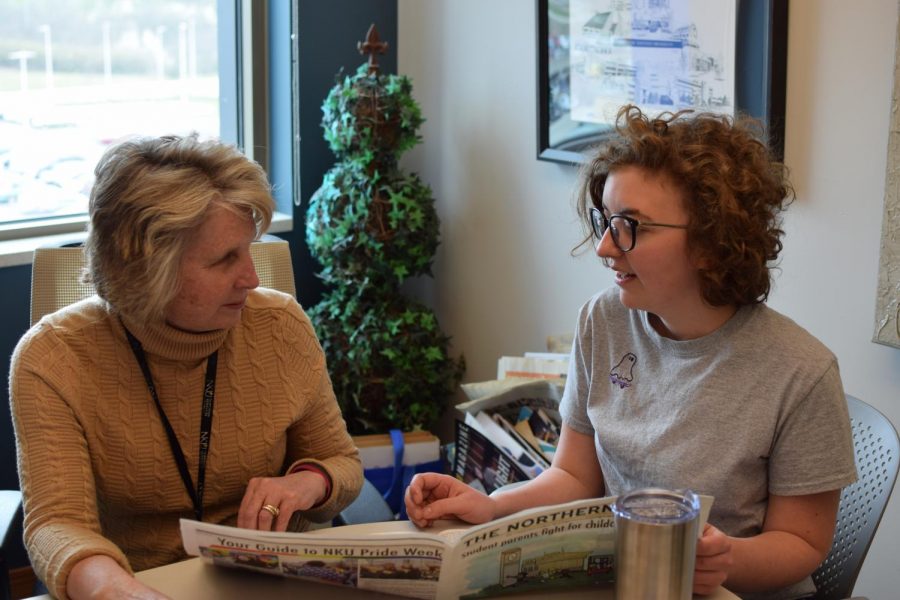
x=371, y=46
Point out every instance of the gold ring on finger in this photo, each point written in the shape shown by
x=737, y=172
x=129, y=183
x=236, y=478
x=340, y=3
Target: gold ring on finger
x=273, y=510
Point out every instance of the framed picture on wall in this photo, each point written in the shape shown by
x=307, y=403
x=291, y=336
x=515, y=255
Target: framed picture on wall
x=594, y=56
x=887, y=298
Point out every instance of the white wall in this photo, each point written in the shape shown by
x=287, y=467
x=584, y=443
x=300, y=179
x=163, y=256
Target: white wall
x=504, y=278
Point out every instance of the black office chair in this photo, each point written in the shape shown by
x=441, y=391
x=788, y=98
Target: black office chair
x=876, y=447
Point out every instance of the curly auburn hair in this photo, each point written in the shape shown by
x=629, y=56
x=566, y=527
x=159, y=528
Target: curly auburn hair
x=732, y=189
x=149, y=197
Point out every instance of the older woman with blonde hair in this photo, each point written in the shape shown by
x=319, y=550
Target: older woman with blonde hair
x=180, y=389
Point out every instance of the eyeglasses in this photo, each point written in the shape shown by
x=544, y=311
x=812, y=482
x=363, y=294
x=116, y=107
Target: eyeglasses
x=623, y=229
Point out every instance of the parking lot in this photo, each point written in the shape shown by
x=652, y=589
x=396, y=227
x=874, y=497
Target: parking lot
x=51, y=138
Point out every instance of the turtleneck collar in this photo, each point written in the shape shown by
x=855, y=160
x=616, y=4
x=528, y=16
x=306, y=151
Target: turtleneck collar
x=163, y=340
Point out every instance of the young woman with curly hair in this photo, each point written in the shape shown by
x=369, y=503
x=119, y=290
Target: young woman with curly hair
x=680, y=375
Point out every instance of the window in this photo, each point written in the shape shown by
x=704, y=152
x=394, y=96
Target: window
x=76, y=77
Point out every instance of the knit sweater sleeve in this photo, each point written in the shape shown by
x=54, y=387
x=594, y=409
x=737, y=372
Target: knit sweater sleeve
x=60, y=502
x=320, y=437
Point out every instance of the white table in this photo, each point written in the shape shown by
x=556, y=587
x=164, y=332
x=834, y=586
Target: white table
x=194, y=579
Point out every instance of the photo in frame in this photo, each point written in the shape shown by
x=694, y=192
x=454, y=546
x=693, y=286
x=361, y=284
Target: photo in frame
x=727, y=56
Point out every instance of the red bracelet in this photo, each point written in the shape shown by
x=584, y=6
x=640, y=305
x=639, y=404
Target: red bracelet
x=314, y=468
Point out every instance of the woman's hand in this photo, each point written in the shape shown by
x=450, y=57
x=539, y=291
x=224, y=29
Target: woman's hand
x=432, y=496
x=99, y=577
x=714, y=560
x=297, y=491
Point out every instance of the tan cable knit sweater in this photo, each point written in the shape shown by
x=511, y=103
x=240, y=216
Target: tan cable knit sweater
x=97, y=472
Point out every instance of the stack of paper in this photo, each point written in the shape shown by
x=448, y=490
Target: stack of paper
x=533, y=366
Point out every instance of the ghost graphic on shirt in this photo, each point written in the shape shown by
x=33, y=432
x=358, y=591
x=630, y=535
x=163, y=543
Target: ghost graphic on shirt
x=622, y=374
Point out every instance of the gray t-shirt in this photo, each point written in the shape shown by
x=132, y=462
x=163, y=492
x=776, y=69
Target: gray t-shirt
x=755, y=408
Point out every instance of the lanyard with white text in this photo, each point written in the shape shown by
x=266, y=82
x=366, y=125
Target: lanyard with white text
x=209, y=392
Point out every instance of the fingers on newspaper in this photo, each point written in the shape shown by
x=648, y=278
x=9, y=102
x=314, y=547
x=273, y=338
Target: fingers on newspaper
x=567, y=544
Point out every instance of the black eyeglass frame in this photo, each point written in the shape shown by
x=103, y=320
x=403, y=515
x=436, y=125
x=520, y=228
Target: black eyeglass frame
x=600, y=223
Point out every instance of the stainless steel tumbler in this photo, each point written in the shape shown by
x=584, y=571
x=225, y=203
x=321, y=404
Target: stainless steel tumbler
x=656, y=542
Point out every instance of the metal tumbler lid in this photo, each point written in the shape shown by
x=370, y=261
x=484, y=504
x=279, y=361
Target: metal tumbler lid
x=657, y=506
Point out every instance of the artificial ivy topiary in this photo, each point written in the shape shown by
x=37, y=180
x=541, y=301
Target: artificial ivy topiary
x=371, y=226
x=371, y=117
x=387, y=357
x=382, y=227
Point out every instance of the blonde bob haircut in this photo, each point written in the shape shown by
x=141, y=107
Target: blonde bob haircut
x=149, y=196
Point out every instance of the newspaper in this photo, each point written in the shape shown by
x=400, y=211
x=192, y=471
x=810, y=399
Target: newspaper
x=514, y=423
x=568, y=545
x=506, y=397
x=483, y=465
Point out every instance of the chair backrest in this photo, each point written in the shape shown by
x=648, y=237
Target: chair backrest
x=876, y=448
x=272, y=259
x=56, y=274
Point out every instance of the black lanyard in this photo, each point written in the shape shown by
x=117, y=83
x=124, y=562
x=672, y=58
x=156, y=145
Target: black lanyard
x=209, y=393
